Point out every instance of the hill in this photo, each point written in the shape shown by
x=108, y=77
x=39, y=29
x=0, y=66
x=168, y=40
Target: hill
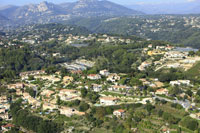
x=179, y=29
x=98, y=8
x=3, y=18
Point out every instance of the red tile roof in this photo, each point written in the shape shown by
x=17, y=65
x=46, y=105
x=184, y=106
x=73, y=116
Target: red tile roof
x=8, y=125
x=120, y=110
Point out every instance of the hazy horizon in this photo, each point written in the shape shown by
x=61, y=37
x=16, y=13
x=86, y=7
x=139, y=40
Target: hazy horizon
x=122, y=2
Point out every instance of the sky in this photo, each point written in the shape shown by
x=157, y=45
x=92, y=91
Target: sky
x=123, y=2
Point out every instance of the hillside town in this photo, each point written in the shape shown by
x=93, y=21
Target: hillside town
x=47, y=95
x=100, y=66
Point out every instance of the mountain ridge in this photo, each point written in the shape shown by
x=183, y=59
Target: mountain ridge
x=47, y=12
x=168, y=8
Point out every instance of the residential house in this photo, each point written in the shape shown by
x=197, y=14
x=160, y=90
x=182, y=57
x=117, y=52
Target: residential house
x=26, y=95
x=94, y=76
x=25, y=75
x=67, y=79
x=51, y=78
x=34, y=102
x=155, y=52
x=3, y=99
x=119, y=113
x=79, y=72
x=47, y=93
x=180, y=82
x=162, y=92
x=160, y=47
x=169, y=47
x=108, y=100
x=67, y=111
x=5, y=116
x=7, y=127
x=80, y=113
x=113, y=77
x=158, y=84
x=16, y=86
x=119, y=88
x=6, y=106
x=176, y=54
x=150, y=46
x=145, y=82
x=49, y=106
x=54, y=100
x=19, y=92
x=96, y=87
x=2, y=110
x=104, y=72
x=66, y=94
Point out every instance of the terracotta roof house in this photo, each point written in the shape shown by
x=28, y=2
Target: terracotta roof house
x=108, y=100
x=94, y=76
x=113, y=77
x=162, y=92
x=119, y=113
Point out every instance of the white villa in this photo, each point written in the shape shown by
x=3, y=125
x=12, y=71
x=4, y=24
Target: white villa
x=108, y=100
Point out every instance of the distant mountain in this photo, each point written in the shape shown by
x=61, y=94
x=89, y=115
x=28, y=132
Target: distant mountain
x=8, y=10
x=168, y=8
x=3, y=18
x=46, y=12
x=33, y=13
x=98, y=8
x=3, y=21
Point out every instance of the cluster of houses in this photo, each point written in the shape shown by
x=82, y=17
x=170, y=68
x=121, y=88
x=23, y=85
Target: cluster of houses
x=25, y=75
x=112, y=77
x=171, y=57
x=180, y=82
x=68, y=94
x=46, y=103
x=48, y=96
x=153, y=83
x=158, y=50
x=108, y=101
x=4, y=108
x=113, y=39
x=100, y=38
x=176, y=54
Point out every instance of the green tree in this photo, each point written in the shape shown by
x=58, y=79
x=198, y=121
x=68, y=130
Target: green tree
x=83, y=92
x=84, y=106
x=189, y=92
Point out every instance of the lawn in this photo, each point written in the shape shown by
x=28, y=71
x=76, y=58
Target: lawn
x=167, y=108
x=112, y=94
x=194, y=71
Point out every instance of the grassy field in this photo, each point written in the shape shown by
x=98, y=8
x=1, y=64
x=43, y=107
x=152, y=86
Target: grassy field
x=112, y=94
x=167, y=108
x=194, y=71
